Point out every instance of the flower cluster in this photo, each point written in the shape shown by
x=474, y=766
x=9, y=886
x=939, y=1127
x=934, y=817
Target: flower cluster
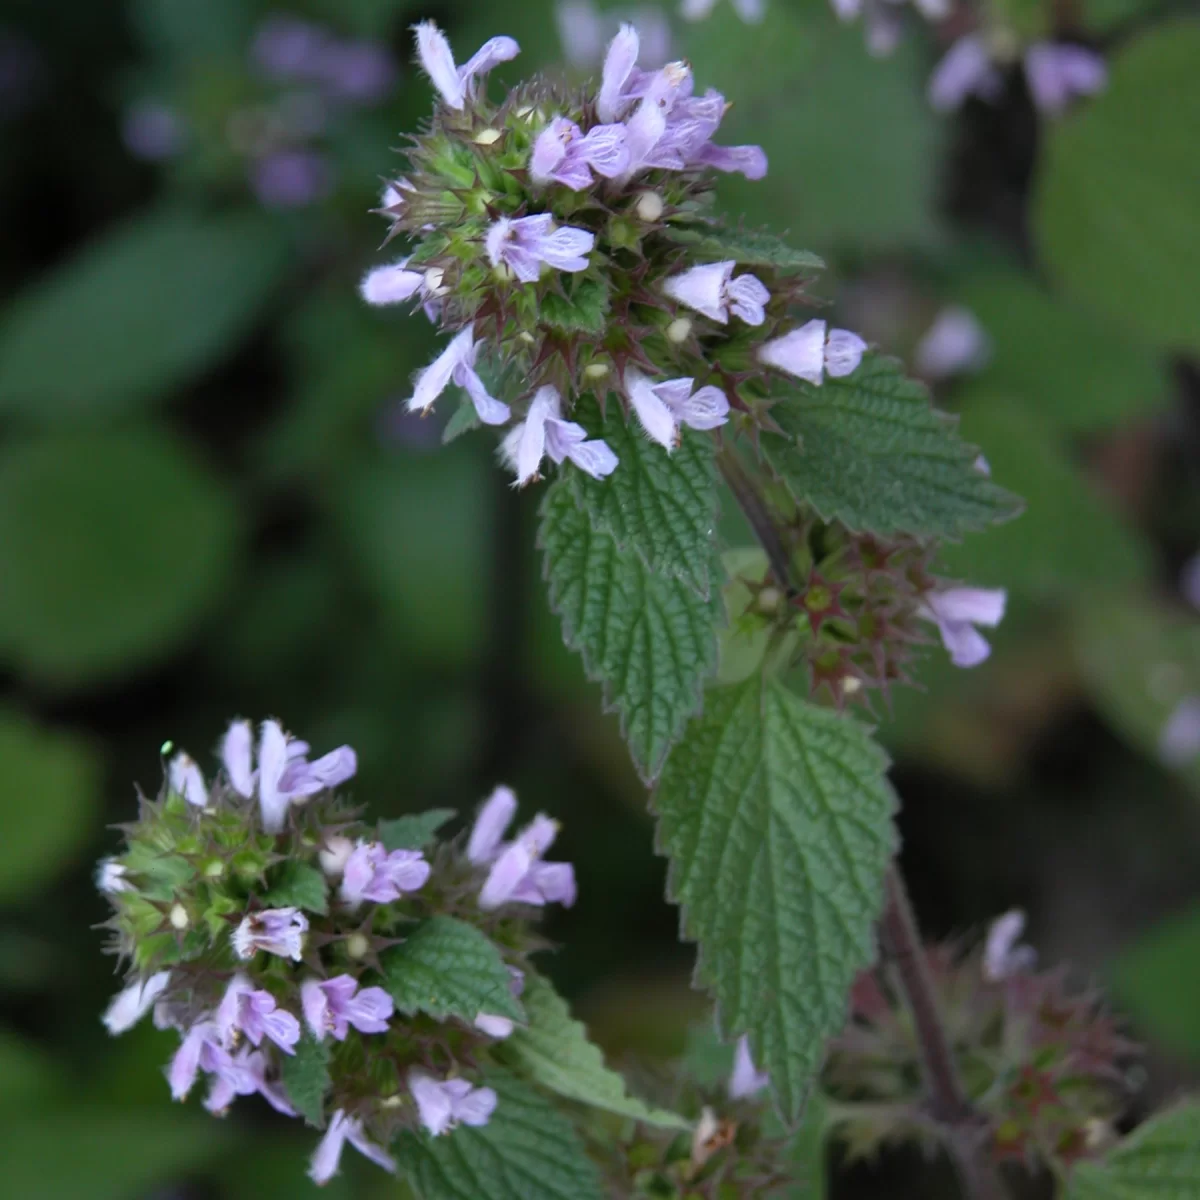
x=263, y=923
x=561, y=238
x=1042, y=1060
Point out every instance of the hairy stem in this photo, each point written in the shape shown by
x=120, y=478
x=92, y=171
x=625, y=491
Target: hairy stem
x=948, y=1102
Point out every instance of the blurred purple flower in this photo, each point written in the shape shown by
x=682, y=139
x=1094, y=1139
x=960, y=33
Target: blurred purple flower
x=956, y=611
x=1002, y=955
x=584, y=32
x=153, y=131
x=359, y=71
x=240, y=1074
x=290, y=178
x=955, y=343
x=750, y=11
x=1179, y=742
x=1057, y=73
x=444, y=1103
x=966, y=69
x=343, y=1129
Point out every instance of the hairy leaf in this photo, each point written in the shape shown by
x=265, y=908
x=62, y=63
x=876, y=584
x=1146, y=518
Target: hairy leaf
x=554, y=1051
x=582, y=308
x=776, y=817
x=750, y=248
x=649, y=639
x=298, y=885
x=663, y=506
x=414, y=831
x=527, y=1151
x=306, y=1078
x=447, y=968
x=870, y=450
x=1159, y=1161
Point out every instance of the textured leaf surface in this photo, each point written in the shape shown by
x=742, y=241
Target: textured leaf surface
x=663, y=506
x=1114, y=204
x=447, y=968
x=750, y=248
x=870, y=450
x=554, y=1051
x=1159, y=1161
x=414, y=831
x=136, y=313
x=298, y=885
x=306, y=1078
x=145, y=535
x=581, y=308
x=777, y=819
x=649, y=639
x=527, y=1151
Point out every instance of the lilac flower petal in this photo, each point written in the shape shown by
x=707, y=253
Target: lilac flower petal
x=275, y=930
x=707, y=408
x=843, y=353
x=594, y=457
x=505, y=876
x=328, y=1156
x=187, y=781
x=655, y=417
x=1179, y=742
x=437, y=61
x=966, y=69
x=368, y=1149
x=477, y=1107
x=746, y=1079
x=604, y=150
x=966, y=646
x=547, y=883
x=1002, y=956
x=619, y=63
x=490, y=410
x=272, y=762
x=980, y=606
x=370, y=1010
x=750, y=161
x=800, y=353
x=702, y=288
x=748, y=297
x=132, y=1003
x=550, y=148
x=1058, y=73
x=301, y=779
x=435, y=1106
x=490, y=55
x=433, y=380
x=493, y=819
x=391, y=285
x=566, y=248
x=236, y=754
x=290, y=178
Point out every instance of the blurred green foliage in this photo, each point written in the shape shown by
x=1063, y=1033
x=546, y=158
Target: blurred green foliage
x=212, y=504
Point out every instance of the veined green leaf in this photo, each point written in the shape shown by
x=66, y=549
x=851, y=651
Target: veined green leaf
x=414, y=831
x=306, y=1078
x=1160, y=1160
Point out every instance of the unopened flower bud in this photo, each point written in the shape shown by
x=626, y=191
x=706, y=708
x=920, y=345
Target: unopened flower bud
x=179, y=917
x=334, y=855
x=649, y=207
x=596, y=370
x=487, y=137
x=679, y=331
x=214, y=869
x=769, y=600
x=357, y=945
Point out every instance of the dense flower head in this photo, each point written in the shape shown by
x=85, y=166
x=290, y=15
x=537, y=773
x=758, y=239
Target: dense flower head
x=563, y=241
x=262, y=917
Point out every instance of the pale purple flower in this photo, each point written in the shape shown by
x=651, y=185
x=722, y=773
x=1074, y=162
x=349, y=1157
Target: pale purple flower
x=619, y=75
x=201, y=1045
x=283, y=776
x=956, y=612
x=186, y=780
x=1189, y=581
x=544, y=433
x=965, y=70
x=453, y=83
x=371, y=873
x=663, y=407
x=457, y=364
x=276, y=930
x=256, y=1013
x=359, y=71
x=287, y=48
x=290, y=178
x=443, y=1104
x=1179, y=742
x=807, y=353
x=746, y=1079
x=240, y=1074
x=953, y=344
x=1057, y=73
x=331, y=1006
x=646, y=130
x=750, y=11
x=527, y=242
x=711, y=289
x=564, y=154
x=152, y=131
x=516, y=868
x=1002, y=956
x=493, y=1025
x=343, y=1129
x=392, y=284
x=111, y=877
x=132, y=1003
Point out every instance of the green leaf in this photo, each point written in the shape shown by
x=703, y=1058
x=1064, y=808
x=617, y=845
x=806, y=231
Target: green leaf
x=1115, y=210
x=527, y=1151
x=136, y=314
x=662, y=506
x=115, y=547
x=306, y=1078
x=748, y=247
x=649, y=639
x=871, y=451
x=49, y=786
x=447, y=968
x=1160, y=1160
x=1157, y=982
x=414, y=831
x=776, y=817
x=582, y=307
x=28, y=1078
x=1077, y=373
x=298, y=885
x=464, y=419
x=1071, y=538
x=554, y=1051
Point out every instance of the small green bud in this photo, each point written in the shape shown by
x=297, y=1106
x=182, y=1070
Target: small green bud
x=624, y=233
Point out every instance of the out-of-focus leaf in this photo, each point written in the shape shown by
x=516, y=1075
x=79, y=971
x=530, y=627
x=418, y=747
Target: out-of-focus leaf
x=115, y=546
x=1076, y=371
x=49, y=785
x=749, y=247
x=178, y=28
x=418, y=529
x=135, y=314
x=849, y=137
x=1157, y=982
x=414, y=831
x=27, y=1076
x=1069, y=537
x=1118, y=191
x=1140, y=661
x=1160, y=1160
x=104, y=1153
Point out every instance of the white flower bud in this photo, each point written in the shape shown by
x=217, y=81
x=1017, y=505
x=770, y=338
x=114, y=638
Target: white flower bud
x=596, y=370
x=334, y=854
x=179, y=917
x=649, y=207
x=679, y=331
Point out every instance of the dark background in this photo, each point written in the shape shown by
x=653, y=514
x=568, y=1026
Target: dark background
x=212, y=504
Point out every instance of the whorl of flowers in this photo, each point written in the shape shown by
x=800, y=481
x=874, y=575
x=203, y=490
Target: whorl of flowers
x=257, y=914
x=559, y=237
